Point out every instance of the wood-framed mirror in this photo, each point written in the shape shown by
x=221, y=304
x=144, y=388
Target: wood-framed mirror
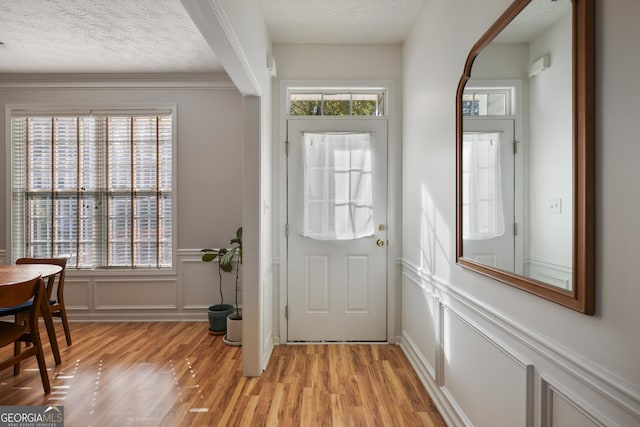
x=525, y=112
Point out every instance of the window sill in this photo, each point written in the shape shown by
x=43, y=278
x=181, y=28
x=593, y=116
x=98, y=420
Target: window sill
x=122, y=272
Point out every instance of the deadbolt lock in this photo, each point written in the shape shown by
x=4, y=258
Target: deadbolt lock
x=380, y=227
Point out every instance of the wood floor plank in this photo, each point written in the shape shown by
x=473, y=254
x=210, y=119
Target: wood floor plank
x=176, y=374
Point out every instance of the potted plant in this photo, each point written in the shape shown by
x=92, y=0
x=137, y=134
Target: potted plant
x=234, y=319
x=217, y=313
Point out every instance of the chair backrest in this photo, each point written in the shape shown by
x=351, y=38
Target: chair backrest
x=62, y=262
x=16, y=294
x=19, y=293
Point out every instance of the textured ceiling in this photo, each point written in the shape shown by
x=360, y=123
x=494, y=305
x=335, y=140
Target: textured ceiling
x=101, y=36
x=157, y=36
x=339, y=21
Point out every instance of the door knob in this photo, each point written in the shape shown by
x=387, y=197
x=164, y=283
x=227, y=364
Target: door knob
x=380, y=242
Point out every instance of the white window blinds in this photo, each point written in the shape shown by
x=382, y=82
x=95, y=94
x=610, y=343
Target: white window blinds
x=94, y=189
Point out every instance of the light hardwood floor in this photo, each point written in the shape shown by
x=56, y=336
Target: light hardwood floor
x=176, y=374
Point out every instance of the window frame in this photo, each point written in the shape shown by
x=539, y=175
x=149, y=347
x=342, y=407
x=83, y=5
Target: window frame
x=102, y=110
x=509, y=93
x=343, y=90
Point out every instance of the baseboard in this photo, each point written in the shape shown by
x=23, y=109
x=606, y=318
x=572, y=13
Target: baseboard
x=448, y=410
x=266, y=352
x=138, y=317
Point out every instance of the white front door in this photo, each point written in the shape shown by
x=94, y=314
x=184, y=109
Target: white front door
x=488, y=207
x=337, y=221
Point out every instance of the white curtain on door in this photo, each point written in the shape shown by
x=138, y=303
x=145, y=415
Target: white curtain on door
x=338, y=186
x=482, y=210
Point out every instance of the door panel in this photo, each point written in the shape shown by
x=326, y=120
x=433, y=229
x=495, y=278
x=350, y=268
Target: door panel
x=337, y=287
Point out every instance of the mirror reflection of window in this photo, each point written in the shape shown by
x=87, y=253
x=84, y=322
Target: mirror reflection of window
x=486, y=103
x=482, y=210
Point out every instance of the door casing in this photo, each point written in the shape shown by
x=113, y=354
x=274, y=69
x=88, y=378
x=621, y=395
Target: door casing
x=394, y=191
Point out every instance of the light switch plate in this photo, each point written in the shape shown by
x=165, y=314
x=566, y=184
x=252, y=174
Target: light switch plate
x=555, y=206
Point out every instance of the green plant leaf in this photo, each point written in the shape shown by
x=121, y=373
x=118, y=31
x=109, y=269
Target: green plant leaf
x=238, y=238
x=209, y=256
x=226, y=261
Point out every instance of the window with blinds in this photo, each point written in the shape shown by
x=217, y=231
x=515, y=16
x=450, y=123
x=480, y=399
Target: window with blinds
x=94, y=189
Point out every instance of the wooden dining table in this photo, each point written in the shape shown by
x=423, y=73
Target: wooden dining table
x=10, y=274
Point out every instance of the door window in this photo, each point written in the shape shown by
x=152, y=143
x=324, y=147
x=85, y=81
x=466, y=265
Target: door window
x=482, y=211
x=338, y=188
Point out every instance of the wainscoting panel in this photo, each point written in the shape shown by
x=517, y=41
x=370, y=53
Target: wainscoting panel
x=181, y=294
x=487, y=366
x=200, y=282
x=566, y=414
x=558, y=409
x=77, y=295
x=420, y=322
x=138, y=294
x=471, y=362
x=198, y=285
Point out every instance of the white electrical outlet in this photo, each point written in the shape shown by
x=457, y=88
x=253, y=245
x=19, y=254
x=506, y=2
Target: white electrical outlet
x=555, y=206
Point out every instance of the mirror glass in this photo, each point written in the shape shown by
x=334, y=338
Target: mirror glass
x=517, y=148
x=524, y=181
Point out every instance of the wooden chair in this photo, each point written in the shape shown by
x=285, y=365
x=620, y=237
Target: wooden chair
x=58, y=308
x=17, y=294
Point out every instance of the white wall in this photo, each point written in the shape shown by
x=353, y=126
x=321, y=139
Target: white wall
x=550, y=149
x=238, y=36
x=248, y=24
x=502, y=61
x=339, y=65
x=565, y=368
x=207, y=182
x=338, y=62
